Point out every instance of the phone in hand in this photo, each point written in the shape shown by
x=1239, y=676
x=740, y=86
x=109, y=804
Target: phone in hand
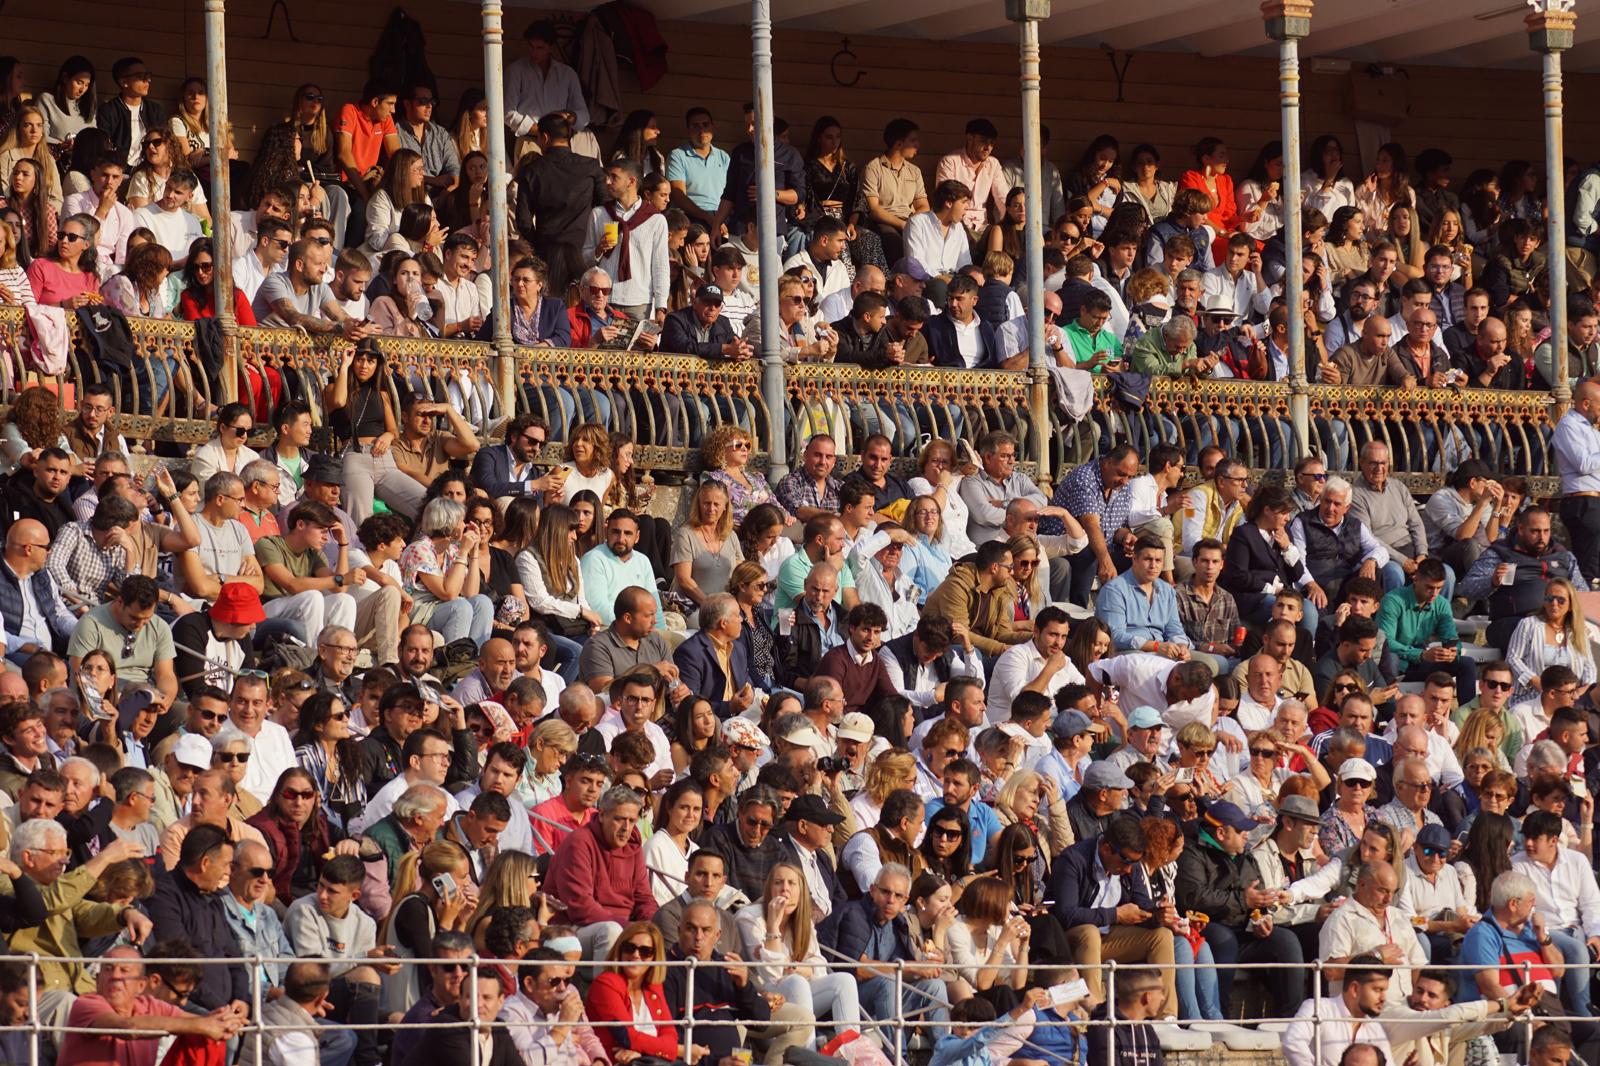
x=445, y=885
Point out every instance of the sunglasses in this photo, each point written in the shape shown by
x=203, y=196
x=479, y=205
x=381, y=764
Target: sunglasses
x=233, y=756
x=1264, y=753
x=127, y=645
x=1434, y=853
x=1498, y=686
x=311, y=98
x=944, y=833
x=758, y=823
x=68, y=237
x=637, y=951
x=1022, y=860
x=1357, y=783
x=298, y=794
x=553, y=982
x=255, y=873
x=212, y=716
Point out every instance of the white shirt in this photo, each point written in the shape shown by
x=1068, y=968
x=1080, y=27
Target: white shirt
x=112, y=238
x=461, y=300
x=31, y=627
x=1566, y=896
x=1443, y=893
x=1145, y=499
x=662, y=857
x=531, y=94
x=1339, y=1030
x=954, y=516
x=919, y=685
x=175, y=230
x=272, y=753
x=967, y=340
x=932, y=250
x=830, y=279
x=611, y=725
x=249, y=273
x=647, y=258
x=1018, y=665
x=518, y=833
x=1352, y=929
x=209, y=459
x=379, y=806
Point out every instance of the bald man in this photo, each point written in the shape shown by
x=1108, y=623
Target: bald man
x=497, y=668
x=31, y=604
x=868, y=279
x=1488, y=365
x=120, y=1002
x=1577, y=447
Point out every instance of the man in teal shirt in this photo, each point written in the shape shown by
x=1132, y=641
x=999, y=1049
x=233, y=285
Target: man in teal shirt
x=1091, y=344
x=609, y=568
x=1421, y=631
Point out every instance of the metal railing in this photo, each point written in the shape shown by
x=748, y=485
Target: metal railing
x=890, y=1031
x=668, y=403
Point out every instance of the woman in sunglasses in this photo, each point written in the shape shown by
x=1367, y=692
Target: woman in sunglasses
x=1198, y=997
x=947, y=845
x=1340, y=685
x=629, y=991
x=298, y=834
x=1352, y=809
x=232, y=751
x=326, y=749
x=512, y=880
x=67, y=277
x=1555, y=635
x=749, y=584
x=1253, y=790
x=148, y=181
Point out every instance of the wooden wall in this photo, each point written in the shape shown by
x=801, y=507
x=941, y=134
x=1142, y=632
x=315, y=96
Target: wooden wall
x=1481, y=116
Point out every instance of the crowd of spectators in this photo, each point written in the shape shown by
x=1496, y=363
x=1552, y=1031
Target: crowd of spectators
x=863, y=747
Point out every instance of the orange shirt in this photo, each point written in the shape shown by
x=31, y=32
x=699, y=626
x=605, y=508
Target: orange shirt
x=1224, y=218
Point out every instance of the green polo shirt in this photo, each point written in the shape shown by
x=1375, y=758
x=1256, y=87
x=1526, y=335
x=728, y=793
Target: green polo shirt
x=1086, y=346
x=1410, y=628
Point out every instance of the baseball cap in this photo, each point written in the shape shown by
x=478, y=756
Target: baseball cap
x=856, y=726
x=1433, y=836
x=238, y=605
x=1145, y=718
x=1069, y=724
x=193, y=750
x=805, y=736
x=1357, y=770
x=1104, y=775
x=1230, y=815
x=812, y=809
x=709, y=293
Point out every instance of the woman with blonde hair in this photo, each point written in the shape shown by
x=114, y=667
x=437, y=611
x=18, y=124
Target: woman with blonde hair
x=1555, y=635
x=15, y=288
x=1029, y=576
x=939, y=474
x=1484, y=728
x=1405, y=233
x=1451, y=232
x=550, y=745
x=779, y=932
x=629, y=991
x=926, y=560
x=553, y=583
x=725, y=455
x=423, y=910
x=704, y=550
x=190, y=126
x=893, y=769
x=1019, y=802
x=512, y=880
x=32, y=143
x=589, y=452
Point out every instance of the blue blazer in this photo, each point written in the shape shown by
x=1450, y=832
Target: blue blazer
x=1074, y=886
x=554, y=325
x=702, y=673
x=940, y=333
x=491, y=471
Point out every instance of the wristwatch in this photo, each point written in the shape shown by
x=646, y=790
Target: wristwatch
x=338, y=581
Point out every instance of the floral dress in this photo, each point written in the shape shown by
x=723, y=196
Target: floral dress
x=420, y=557
x=742, y=499
x=1335, y=836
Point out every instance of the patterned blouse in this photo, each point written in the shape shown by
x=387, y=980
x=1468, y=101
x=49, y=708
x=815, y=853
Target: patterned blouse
x=1336, y=836
x=740, y=498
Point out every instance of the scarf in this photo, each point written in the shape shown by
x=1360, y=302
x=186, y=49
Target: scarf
x=625, y=227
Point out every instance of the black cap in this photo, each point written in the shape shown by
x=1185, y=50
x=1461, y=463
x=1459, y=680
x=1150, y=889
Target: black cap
x=326, y=469
x=709, y=293
x=812, y=809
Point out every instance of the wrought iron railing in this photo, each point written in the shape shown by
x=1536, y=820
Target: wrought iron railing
x=667, y=403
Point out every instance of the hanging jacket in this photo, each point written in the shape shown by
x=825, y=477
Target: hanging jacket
x=106, y=335
x=597, y=74
x=49, y=340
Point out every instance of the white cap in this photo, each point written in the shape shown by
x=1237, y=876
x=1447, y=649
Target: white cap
x=193, y=750
x=856, y=726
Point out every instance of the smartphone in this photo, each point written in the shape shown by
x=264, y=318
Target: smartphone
x=444, y=885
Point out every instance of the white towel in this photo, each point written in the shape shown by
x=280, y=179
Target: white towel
x=1074, y=391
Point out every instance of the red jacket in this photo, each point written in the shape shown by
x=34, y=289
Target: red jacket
x=608, y=1002
x=600, y=884
x=582, y=324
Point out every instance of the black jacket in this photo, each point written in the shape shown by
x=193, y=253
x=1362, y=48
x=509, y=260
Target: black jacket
x=1213, y=882
x=801, y=651
x=555, y=193
x=680, y=335
x=1136, y=1043
x=940, y=333
x=21, y=500
x=116, y=122
x=864, y=349
x=828, y=928
x=178, y=908
x=455, y=1045
x=717, y=998
x=1250, y=562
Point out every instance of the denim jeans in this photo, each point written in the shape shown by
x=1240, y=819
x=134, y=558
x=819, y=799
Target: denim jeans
x=877, y=1001
x=1197, y=988
x=466, y=616
x=1575, y=982
x=565, y=651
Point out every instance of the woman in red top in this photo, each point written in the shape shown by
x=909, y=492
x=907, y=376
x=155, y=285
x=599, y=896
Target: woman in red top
x=1211, y=176
x=260, y=387
x=630, y=991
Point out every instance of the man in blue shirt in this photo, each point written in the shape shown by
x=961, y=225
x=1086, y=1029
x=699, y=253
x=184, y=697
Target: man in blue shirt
x=1510, y=947
x=613, y=566
x=874, y=930
x=1141, y=609
x=698, y=169
x=960, y=790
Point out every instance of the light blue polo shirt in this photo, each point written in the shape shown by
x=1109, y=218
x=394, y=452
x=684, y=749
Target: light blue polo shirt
x=703, y=179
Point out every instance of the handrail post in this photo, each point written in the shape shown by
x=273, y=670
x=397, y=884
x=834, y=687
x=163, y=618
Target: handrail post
x=1027, y=14
x=256, y=973
x=222, y=250
x=1111, y=1009
x=1287, y=22
x=1316, y=1006
x=899, y=1013
x=768, y=261
x=472, y=979
x=494, y=92
x=688, y=1009
x=33, y=1010
x=1551, y=25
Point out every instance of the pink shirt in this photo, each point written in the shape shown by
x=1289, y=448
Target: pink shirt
x=987, y=180
x=53, y=286
x=81, y=1049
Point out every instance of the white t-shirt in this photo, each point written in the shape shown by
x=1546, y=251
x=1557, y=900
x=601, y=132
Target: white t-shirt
x=223, y=548
x=174, y=230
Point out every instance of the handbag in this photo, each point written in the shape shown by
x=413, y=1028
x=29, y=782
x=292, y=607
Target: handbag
x=571, y=628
